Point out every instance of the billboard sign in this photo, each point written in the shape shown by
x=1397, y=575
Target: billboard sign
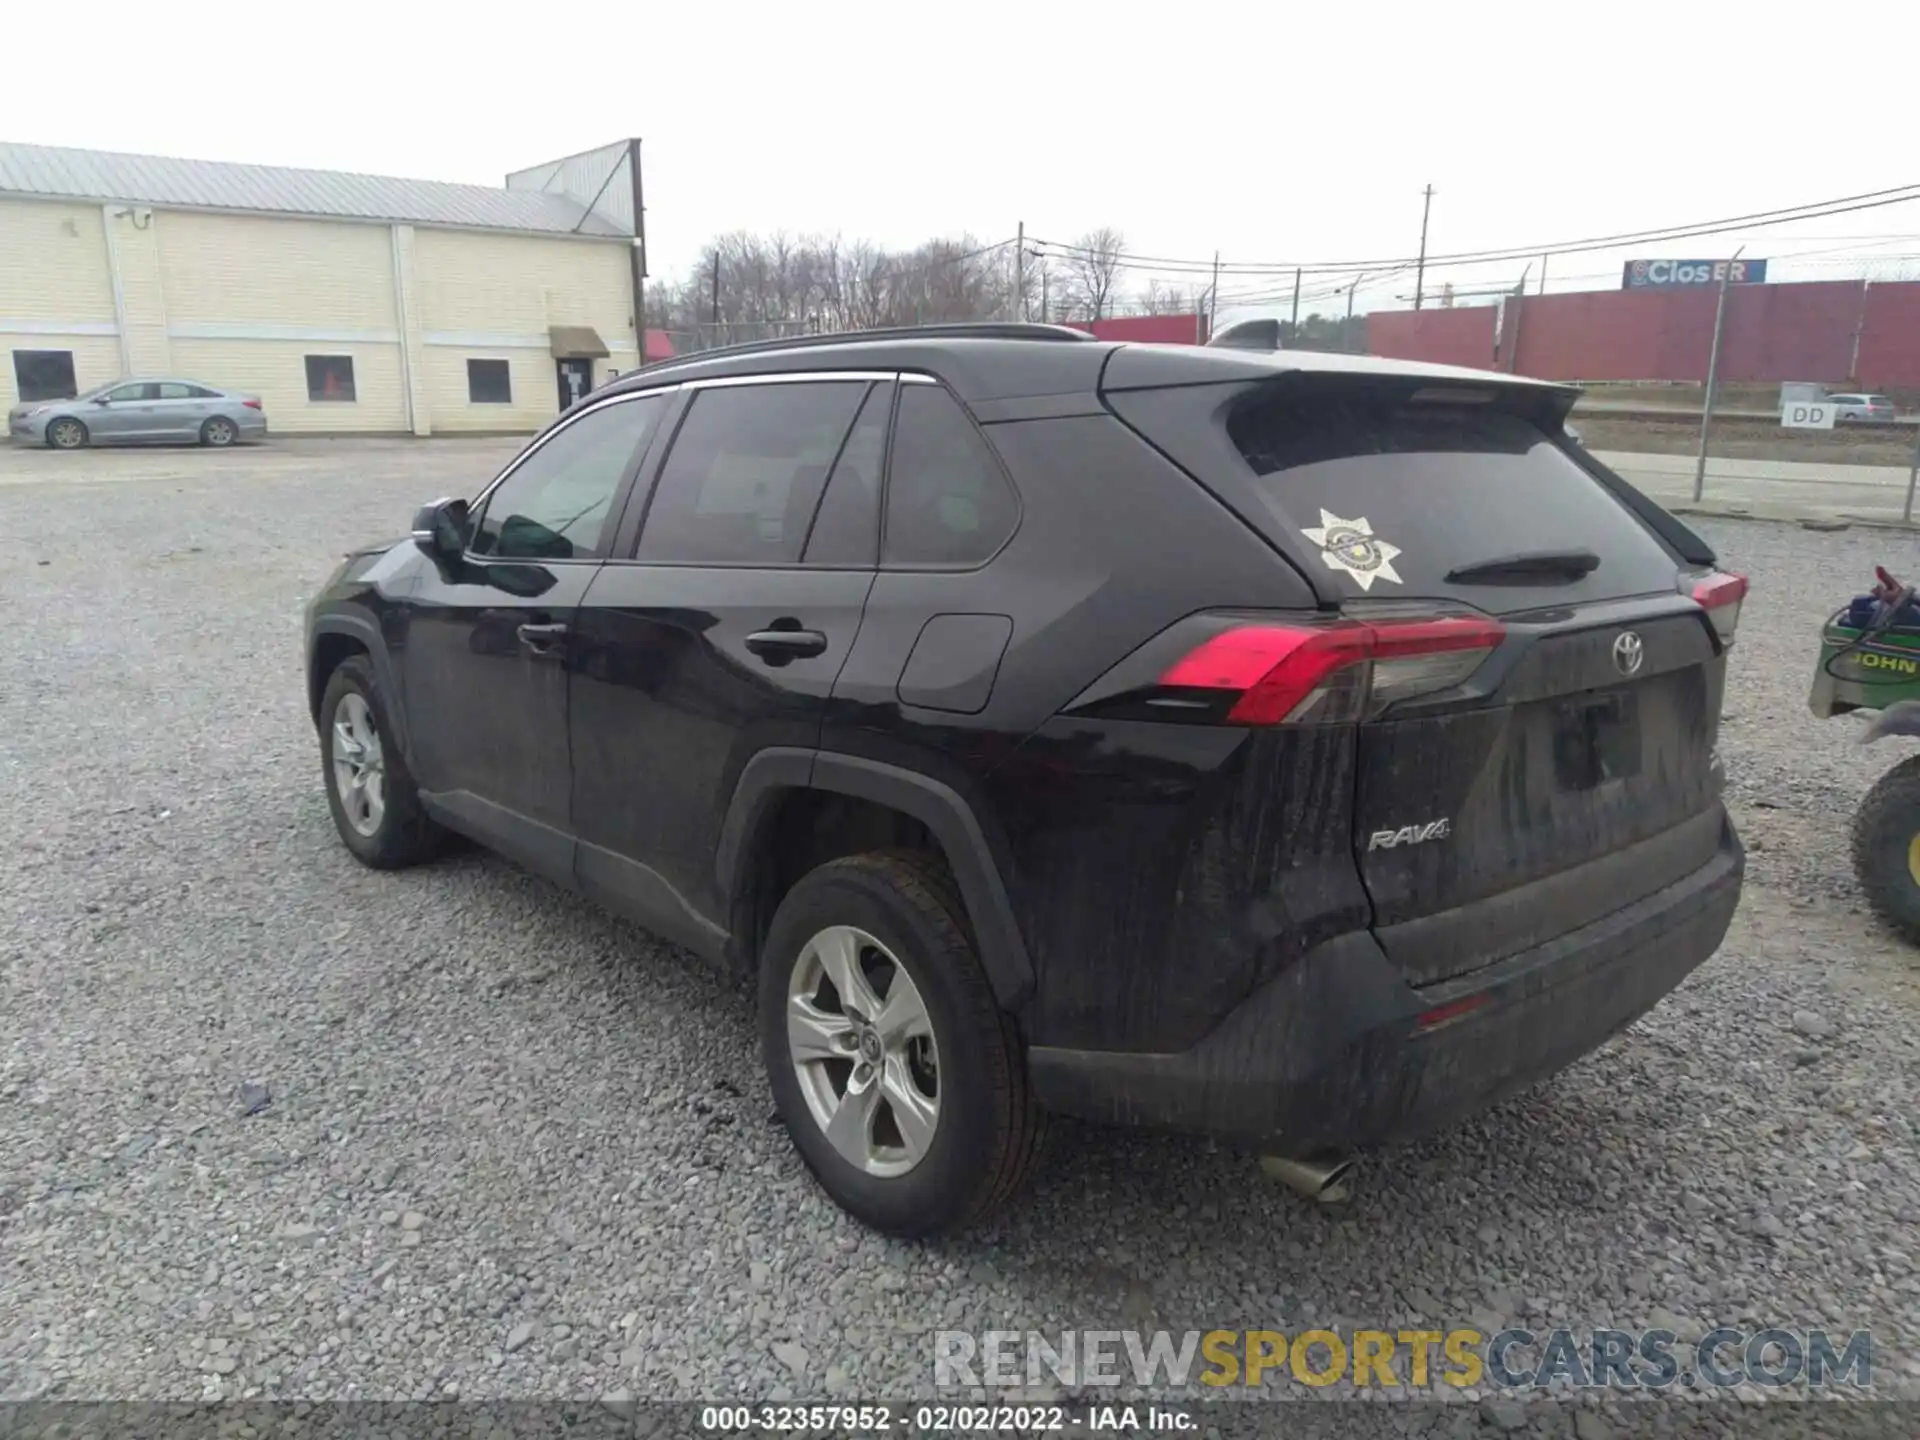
x=1679, y=274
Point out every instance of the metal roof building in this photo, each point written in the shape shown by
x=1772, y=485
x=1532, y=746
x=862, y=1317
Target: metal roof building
x=348, y=302
x=52, y=172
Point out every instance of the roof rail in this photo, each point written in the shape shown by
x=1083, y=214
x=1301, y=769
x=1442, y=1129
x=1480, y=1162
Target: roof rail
x=962, y=330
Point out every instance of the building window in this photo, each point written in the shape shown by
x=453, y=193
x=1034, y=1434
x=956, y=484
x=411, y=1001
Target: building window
x=488, y=383
x=44, y=374
x=330, y=377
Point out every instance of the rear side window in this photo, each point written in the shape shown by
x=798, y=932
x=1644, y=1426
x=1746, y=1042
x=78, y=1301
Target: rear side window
x=948, y=502
x=746, y=471
x=1398, y=494
x=846, y=528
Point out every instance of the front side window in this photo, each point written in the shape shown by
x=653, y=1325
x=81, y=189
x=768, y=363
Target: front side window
x=44, y=374
x=745, y=473
x=125, y=393
x=554, y=506
x=330, y=378
x=948, y=502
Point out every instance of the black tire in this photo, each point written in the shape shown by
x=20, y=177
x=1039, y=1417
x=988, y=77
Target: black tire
x=64, y=427
x=1886, y=844
x=405, y=835
x=987, y=1139
x=219, y=432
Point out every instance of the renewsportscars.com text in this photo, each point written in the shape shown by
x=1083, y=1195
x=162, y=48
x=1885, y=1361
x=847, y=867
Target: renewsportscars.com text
x=1460, y=1357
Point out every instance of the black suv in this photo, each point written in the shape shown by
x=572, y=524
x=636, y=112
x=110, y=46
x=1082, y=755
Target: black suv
x=1304, y=749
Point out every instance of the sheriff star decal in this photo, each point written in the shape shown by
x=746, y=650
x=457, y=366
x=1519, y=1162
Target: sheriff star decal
x=1351, y=545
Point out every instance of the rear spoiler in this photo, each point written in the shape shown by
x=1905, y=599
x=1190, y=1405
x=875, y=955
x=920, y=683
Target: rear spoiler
x=1249, y=335
x=1264, y=335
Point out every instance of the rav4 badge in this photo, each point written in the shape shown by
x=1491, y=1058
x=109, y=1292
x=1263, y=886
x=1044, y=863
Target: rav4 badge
x=1351, y=545
x=1409, y=835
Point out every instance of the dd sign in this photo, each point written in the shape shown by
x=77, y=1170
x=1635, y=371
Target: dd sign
x=1807, y=415
x=1680, y=274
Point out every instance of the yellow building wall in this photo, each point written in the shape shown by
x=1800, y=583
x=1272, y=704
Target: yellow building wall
x=495, y=297
x=134, y=238
x=240, y=301
x=248, y=298
x=56, y=292
x=245, y=270
x=276, y=371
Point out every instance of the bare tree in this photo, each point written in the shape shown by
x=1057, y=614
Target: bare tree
x=1160, y=298
x=750, y=287
x=1093, y=270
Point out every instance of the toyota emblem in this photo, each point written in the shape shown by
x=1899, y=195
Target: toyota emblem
x=1628, y=652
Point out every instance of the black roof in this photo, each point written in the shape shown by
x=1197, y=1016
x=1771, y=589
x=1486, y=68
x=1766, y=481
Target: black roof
x=984, y=361
x=998, y=361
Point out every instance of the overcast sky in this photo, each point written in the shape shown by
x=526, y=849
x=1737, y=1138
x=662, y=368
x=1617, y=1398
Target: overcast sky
x=1271, y=133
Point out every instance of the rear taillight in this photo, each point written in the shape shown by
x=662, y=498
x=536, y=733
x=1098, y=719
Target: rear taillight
x=251, y=404
x=1303, y=674
x=1719, y=594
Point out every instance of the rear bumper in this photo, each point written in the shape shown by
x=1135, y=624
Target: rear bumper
x=1332, y=1056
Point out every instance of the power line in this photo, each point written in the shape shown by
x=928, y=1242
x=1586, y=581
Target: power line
x=1842, y=205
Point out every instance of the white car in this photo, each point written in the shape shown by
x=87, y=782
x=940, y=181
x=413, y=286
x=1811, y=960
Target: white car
x=1873, y=409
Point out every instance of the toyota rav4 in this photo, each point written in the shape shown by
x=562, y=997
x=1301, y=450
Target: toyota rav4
x=1304, y=749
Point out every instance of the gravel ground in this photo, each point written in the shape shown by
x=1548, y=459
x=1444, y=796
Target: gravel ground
x=275, y=1125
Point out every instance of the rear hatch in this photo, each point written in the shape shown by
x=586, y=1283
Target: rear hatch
x=1531, y=655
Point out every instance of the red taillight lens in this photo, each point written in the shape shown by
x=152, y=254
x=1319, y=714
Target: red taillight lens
x=1720, y=594
x=251, y=404
x=1337, y=671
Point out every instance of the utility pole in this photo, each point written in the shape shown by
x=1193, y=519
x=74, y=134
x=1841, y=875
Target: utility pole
x=1020, y=272
x=715, y=313
x=1713, y=379
x=1213, y=297
x=1346, y=330
x=1543, y=274
x=1294, y=324
x=1046, y=315
x=1420, y=270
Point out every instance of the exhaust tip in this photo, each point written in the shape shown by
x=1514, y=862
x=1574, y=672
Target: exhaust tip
x=1323, y=1181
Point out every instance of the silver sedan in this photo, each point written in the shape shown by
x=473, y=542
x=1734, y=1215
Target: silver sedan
x=141, y=412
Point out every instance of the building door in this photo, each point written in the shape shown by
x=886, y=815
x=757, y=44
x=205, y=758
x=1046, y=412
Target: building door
x=576, y=379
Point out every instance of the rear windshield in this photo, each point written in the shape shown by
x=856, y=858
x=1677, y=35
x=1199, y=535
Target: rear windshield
x=1397, y=493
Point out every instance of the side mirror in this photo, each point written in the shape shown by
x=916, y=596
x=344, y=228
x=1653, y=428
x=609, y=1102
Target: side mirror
x=100, y=399
x=440, y=529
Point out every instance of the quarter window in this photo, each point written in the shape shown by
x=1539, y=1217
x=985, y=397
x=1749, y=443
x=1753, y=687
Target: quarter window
x=746, y=471
x=554, y=506
x=44, y=374
x=330, y=378
x=948, y=502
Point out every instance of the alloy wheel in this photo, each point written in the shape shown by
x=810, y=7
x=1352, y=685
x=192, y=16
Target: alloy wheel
x=359, y=764
x=863, y=1050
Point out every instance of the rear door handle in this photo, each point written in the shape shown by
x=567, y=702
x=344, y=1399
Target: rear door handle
x=779, y=646
x=542, y=639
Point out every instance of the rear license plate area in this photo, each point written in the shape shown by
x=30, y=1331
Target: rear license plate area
x=1596, y=739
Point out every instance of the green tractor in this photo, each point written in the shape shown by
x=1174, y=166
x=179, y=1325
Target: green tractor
x=1870, y=660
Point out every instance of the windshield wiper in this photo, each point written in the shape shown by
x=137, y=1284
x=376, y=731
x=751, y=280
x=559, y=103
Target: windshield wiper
x=1530, y=566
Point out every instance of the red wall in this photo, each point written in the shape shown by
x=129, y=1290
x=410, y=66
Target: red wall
x=1145, y=329
x=1890, y=338
x=1773, y=333
x=1449, y=337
